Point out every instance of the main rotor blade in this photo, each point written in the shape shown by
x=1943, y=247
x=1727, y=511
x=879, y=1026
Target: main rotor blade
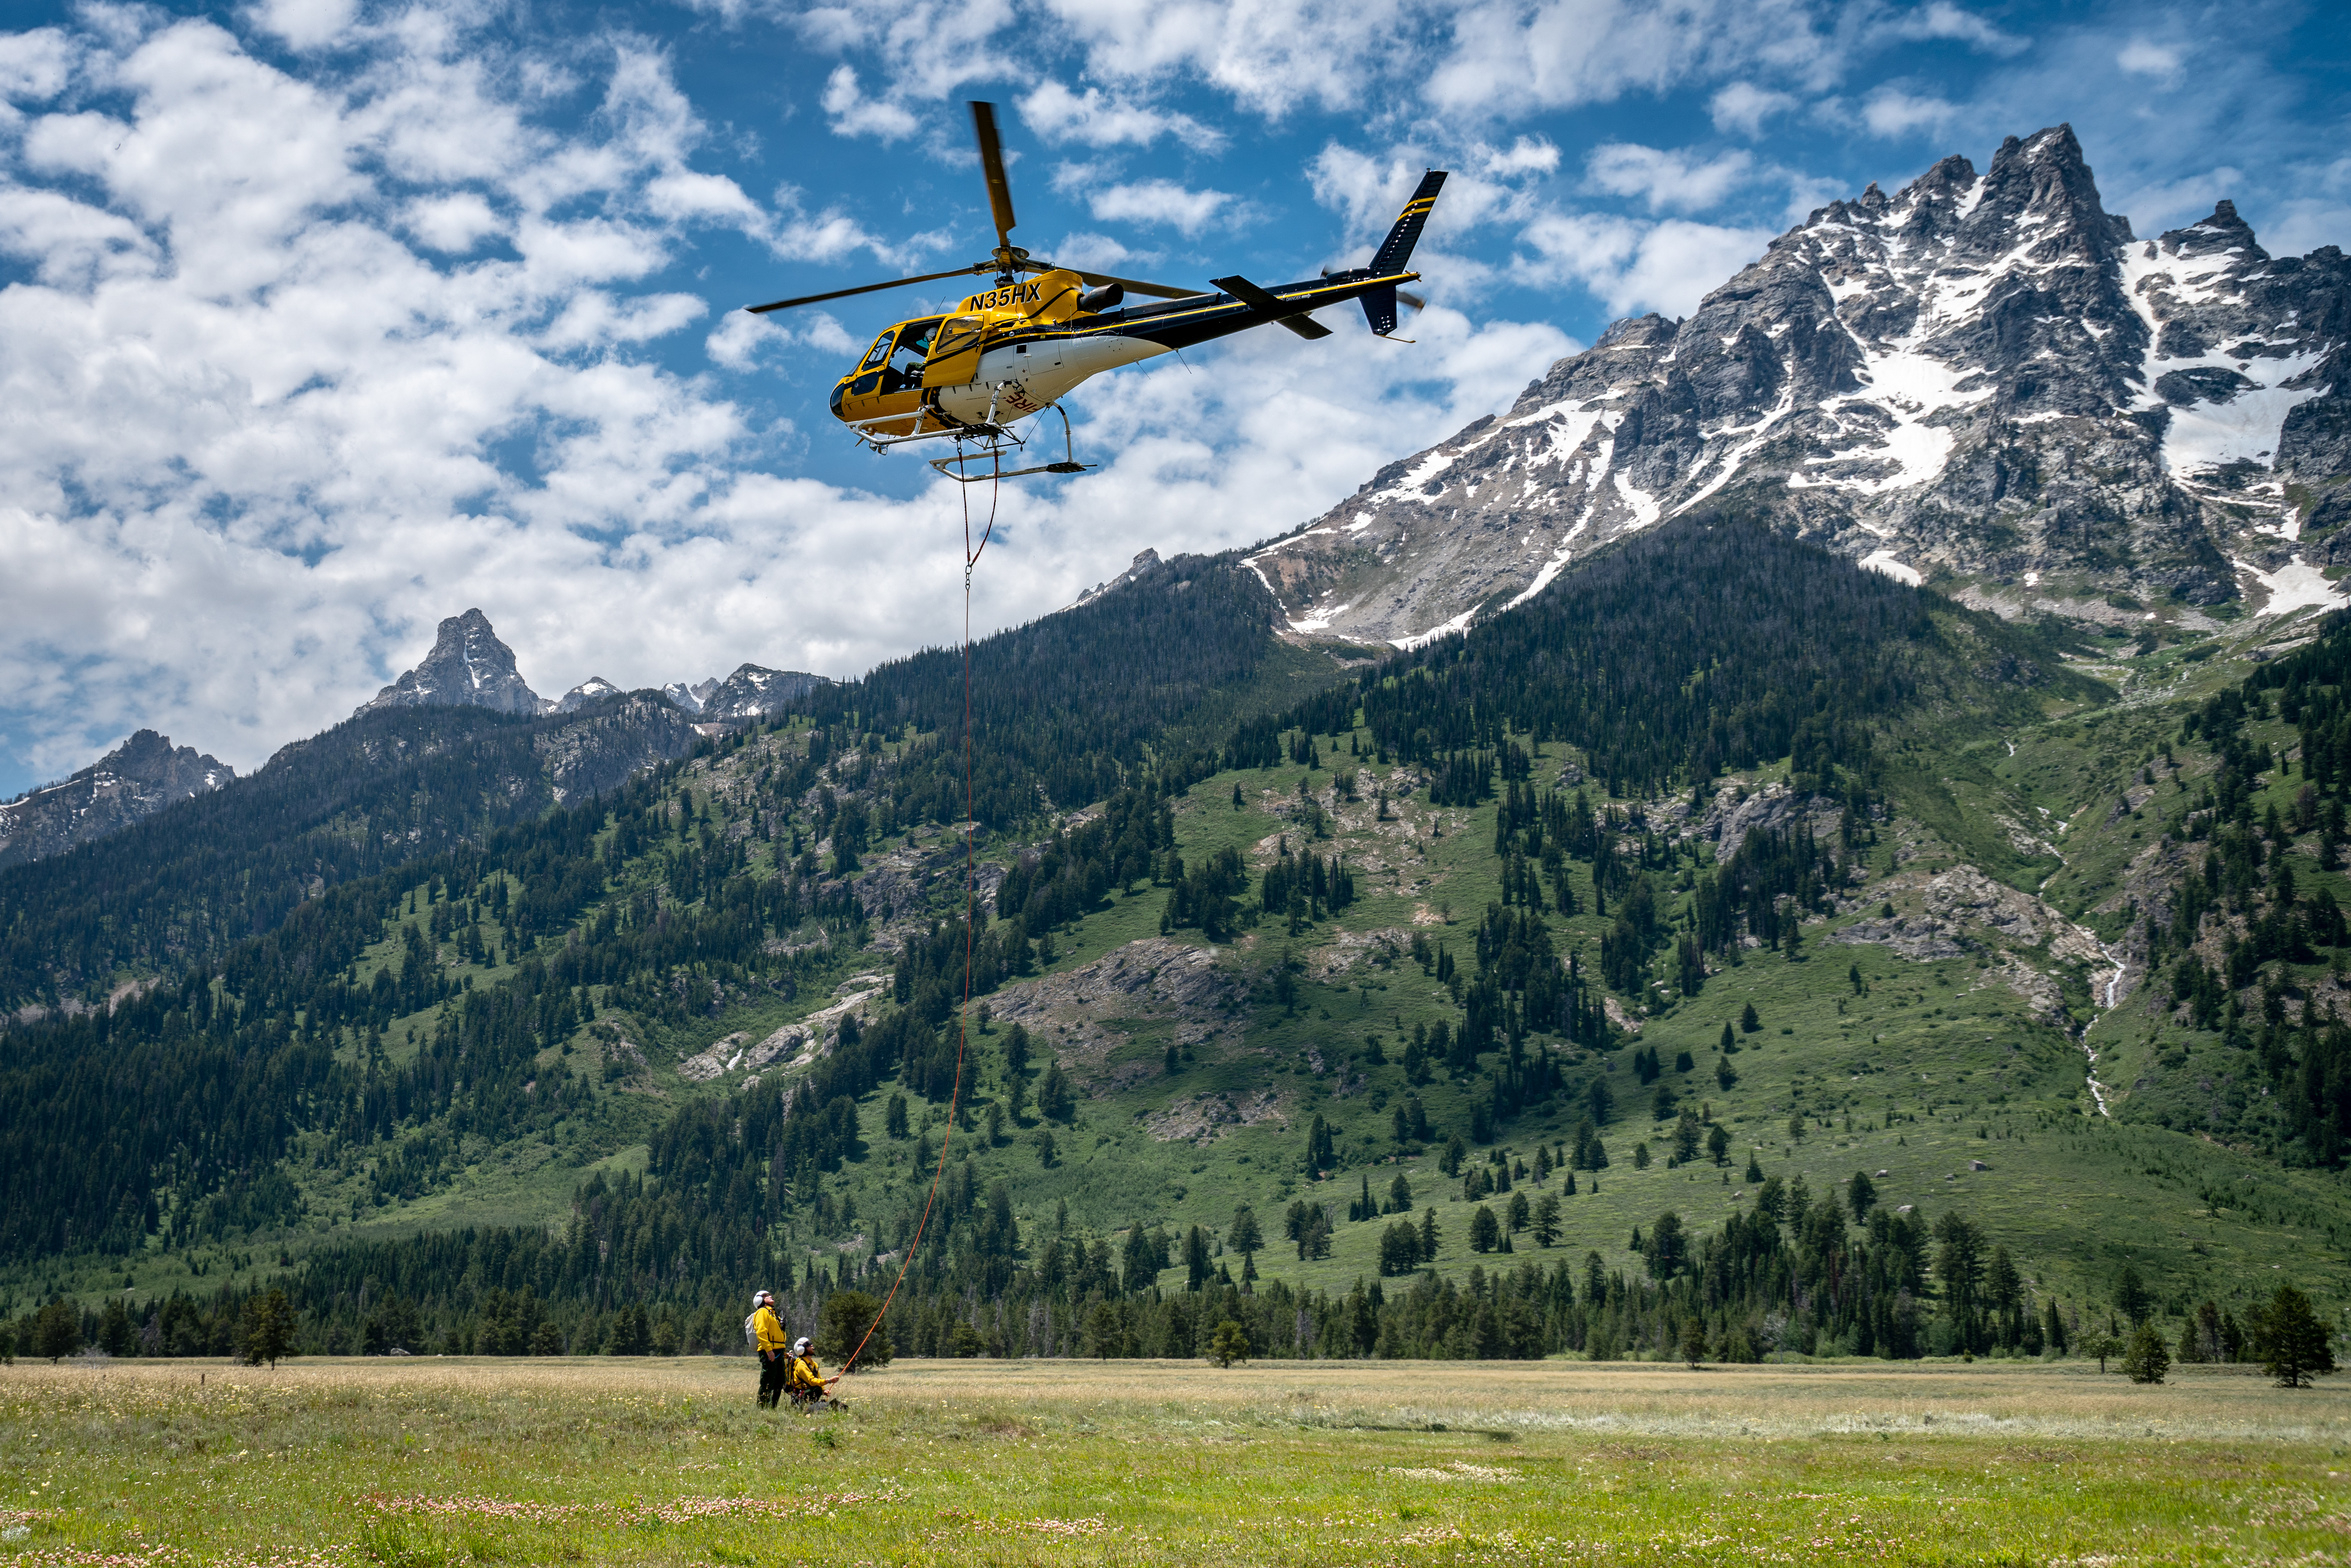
x=1156, y=290
x=992, y=164
x=870, y=288
x=1132, y=286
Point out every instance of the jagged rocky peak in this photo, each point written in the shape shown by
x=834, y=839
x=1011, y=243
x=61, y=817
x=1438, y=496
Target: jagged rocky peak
x=1984, y=379
x=468, y=667
x=753, y=691
x=142, y=776
x=1141, y=567
x=690, y=698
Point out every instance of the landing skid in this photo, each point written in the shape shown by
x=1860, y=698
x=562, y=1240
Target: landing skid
x=988, y=443
x=991, y=442
x=953, y=467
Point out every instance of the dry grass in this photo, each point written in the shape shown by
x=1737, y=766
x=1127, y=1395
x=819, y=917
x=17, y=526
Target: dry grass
x=2069, y=1400
x=435, y=1462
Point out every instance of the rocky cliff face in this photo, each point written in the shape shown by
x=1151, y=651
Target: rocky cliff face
x=690, y=698
x=468, y=667
x=1985, y=380
x=143, y=774
x=597, y=752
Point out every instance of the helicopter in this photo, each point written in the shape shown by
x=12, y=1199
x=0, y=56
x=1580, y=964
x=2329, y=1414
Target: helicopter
x=1014, y=350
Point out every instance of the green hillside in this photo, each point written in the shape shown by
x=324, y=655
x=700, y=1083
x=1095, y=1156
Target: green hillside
x=1721, y=872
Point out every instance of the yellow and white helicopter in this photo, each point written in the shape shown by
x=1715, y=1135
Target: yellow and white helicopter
x=1016, y=348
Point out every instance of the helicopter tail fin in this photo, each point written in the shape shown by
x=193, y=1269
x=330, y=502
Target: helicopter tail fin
x=1396, y=249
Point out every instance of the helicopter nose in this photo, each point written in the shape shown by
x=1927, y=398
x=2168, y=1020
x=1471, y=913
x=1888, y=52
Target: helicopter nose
x=838, y=390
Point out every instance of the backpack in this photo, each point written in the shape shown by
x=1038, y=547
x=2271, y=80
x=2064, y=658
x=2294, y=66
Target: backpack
x=751, y=1330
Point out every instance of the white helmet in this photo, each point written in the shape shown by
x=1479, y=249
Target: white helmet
x=799, y=1347
x=758, y=1296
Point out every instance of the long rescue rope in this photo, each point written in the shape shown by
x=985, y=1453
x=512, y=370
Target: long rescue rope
x=970, y=909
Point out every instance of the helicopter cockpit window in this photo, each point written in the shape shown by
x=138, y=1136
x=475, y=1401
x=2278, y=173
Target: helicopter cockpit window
x=906, y=359
x=877, y=353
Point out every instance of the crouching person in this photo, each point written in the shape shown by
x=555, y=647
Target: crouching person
x=811, y=1389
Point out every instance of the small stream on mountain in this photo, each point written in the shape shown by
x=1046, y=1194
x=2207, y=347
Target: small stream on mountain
x=2107, y=997
x=2112, y=999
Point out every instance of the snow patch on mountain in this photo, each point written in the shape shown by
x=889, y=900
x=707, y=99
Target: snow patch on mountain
x=2242, y=429
x=2295, y=586
x=1886, y=562
x=595, y=688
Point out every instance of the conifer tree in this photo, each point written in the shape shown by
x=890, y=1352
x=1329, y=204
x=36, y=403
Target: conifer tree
x=2292, y=1341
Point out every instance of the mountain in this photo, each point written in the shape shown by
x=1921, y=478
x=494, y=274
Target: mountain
x=1695, y=887
x=1985, y=382
x=143, y=774
x=1640, y=901
x=753, y=692
x=388, y=785
x=468, y=667
x=595, y=688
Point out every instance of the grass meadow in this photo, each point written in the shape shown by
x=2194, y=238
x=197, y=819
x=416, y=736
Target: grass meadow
x=453, y=1461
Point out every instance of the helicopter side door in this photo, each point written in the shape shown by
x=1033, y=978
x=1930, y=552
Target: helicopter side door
x=955, y=353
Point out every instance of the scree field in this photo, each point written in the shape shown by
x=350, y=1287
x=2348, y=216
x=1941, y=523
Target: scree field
x=455, y=1461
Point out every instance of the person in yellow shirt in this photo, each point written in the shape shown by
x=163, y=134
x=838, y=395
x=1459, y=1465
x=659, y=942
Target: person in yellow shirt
x=768, y=1337
x=810, y=1386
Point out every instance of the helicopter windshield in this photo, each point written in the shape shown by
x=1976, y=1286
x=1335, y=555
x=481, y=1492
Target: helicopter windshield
x=877, y=353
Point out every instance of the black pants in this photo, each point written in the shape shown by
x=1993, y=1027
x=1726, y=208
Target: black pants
x=773, y=1366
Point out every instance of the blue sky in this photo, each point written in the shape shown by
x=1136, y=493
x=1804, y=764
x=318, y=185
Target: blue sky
x=320, y=320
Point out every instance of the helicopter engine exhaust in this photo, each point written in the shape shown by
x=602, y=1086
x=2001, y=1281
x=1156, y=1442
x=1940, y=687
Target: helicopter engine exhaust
x=1107, y=298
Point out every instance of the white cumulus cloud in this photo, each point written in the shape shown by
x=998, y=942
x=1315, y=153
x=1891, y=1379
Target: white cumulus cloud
x=1891, y=111
x=1941, y=19
x=856, y=114
x=1631, y=266
x=1527, y=155
x=2143, y=58
x=1744, y=107
x=1162, y=201
x=1667, y=180
x=1096, y=120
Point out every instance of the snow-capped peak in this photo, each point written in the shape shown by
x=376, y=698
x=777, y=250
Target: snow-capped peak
x=1984, y=380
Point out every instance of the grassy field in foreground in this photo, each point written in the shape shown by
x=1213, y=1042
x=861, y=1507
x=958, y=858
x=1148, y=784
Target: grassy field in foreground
x=448, y=1461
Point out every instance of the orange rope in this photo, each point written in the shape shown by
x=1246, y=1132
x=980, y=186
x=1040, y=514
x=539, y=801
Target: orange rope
x=970, y=909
